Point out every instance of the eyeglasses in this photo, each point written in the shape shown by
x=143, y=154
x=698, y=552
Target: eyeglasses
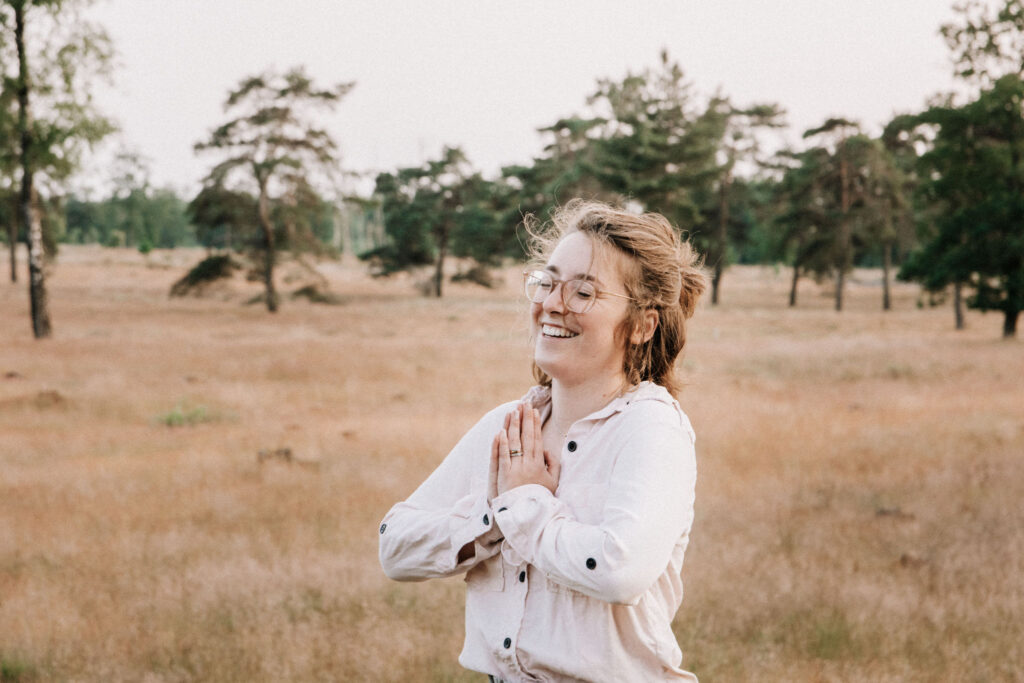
x=577, y=295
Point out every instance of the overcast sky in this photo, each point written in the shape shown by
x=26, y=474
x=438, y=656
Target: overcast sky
x=486, y=75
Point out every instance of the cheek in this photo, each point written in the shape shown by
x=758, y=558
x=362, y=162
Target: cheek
x=620, y=334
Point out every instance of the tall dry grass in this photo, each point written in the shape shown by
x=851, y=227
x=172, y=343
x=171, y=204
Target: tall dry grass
x=858, y=514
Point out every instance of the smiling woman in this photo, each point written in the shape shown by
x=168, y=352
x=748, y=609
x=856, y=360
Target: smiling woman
x=569, y=511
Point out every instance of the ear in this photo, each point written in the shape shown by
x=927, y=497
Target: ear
x=645, y=328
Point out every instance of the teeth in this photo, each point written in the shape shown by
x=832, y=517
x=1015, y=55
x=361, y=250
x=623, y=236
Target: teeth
x=552, y=331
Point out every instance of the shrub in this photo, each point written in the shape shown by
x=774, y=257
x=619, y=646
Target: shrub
x=210, y=269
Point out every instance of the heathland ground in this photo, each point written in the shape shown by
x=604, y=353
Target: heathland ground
x=858, y=509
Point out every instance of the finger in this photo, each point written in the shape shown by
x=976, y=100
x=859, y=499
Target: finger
x=493, y=471
x=514, y=441
x=504, y=461
x=538, y=429
x=529, y=445
x=508, y=418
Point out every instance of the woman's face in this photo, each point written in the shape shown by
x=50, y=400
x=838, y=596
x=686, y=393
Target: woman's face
x=571, y=347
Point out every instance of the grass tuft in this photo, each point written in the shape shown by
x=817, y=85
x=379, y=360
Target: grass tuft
x=184, y=415
x=14, y=669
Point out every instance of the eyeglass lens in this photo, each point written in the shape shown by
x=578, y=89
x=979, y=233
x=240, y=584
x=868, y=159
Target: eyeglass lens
x=577, y=295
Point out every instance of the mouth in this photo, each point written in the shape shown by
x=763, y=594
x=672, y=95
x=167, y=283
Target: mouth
x=557, y=332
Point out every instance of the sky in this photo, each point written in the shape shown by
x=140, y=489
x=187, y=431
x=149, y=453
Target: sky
x=485, y=75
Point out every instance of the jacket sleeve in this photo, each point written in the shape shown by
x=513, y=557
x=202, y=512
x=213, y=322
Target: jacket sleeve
x=420, y=538
x=648, y=508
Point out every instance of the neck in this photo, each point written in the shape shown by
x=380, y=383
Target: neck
x=572, y=402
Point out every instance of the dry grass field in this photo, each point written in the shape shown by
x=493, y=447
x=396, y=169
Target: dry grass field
x=859, y=512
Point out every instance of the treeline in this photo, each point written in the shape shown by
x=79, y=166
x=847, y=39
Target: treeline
x=160, y=218
x=935, y=197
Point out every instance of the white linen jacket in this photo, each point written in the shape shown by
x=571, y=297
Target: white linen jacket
x=579, y=585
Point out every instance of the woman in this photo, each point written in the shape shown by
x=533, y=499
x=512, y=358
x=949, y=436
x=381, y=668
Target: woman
x=570, y=510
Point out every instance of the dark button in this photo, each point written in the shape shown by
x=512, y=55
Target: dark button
x=507, y=643
x=487, y=520
x=591, y=563
x=522, y=577
x=383, y=528
x=572, y=446
x=502, y=509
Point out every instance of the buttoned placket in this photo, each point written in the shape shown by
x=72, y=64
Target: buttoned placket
x=516, y=582
x=520, y=575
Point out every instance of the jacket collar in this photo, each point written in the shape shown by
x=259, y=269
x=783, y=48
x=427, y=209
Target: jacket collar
x=540, y=398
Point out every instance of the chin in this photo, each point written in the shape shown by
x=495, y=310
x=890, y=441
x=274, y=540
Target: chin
x=550, y=367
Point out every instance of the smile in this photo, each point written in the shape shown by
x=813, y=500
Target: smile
x=561, y=332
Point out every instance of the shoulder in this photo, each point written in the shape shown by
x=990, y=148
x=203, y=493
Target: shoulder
x=651, y=436
x=651, y=409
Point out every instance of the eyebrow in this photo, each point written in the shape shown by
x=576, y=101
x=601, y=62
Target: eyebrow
x=580, y=276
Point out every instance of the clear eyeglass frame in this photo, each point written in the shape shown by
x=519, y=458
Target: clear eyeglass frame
x=578, y=295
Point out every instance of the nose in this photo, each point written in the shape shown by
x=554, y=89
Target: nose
x=553, y=301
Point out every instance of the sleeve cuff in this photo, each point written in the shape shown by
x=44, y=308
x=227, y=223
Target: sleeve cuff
x=520, y=511
x=481, y=529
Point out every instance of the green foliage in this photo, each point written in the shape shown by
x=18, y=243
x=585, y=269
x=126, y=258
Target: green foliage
x=224, y=218
x=659, y=144
x=438, y=209
x=65, y=55
x=154, y=217
x=652, y=141
x=974, y=172
x=14, y=669
x=302, y=219
x=839, y=201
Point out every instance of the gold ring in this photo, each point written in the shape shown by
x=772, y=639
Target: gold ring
x=513, y=454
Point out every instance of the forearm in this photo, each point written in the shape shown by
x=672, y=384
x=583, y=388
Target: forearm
x=418, y=544
x=619, y=556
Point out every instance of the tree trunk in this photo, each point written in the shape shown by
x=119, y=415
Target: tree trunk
x=723, y=237
x=792, y=288
x=269, y=245
x=840, y=279
x=28, y=210
x=12, y=240
x=845, y=239
x=1010, y=324
x=886, y=266
x=716, y=280
x=442, y=251
x=958, y=304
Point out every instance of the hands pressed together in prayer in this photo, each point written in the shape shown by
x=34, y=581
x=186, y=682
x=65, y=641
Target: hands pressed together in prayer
x=518, y=456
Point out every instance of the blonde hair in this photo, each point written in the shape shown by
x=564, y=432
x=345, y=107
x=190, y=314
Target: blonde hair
x=662, y=273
